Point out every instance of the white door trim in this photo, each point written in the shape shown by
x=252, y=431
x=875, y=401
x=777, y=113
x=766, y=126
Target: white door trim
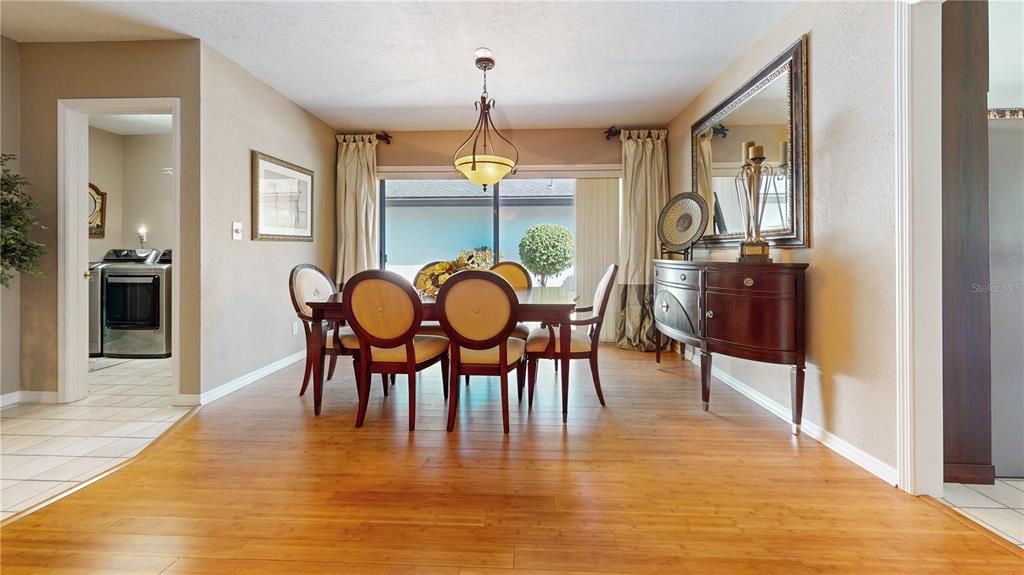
x=919, y=453
x=73, y=234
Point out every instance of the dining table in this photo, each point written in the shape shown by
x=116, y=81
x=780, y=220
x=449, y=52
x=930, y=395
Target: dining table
x=549, y=305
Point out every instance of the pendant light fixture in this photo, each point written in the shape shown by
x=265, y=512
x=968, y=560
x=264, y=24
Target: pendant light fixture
x=486, y=156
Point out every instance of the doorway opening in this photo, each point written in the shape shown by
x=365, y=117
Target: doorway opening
x=119, y=222
x=131, y=264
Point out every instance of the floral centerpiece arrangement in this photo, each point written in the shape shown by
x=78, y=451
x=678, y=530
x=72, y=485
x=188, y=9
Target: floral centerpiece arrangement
x=429, y=281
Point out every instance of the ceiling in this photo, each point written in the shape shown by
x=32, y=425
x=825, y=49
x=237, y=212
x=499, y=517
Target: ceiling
x=132, y=124
x=409, y=66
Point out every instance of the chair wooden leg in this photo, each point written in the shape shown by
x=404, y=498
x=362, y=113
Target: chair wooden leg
x=521, y=378
x=467, y=379
x=364, y=393
x=392, y=379
x=330, y=370
x=504, y=399
x=532, y=379
x=305, y=376
x=597, y=377
x=384, y=383
x=412, y=400
x=657, y=346
x=453, y=396
x=444, y=375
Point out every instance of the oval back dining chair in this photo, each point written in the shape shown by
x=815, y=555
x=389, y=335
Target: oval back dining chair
x=520, y=279
x=385, y=312
x=514, y=273
x=543, y=343
x=306, y=283
x=478, y=311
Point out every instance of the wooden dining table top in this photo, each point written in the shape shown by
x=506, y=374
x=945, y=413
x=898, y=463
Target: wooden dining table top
x=534, y=298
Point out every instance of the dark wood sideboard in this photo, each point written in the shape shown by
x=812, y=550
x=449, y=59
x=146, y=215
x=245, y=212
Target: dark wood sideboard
x=750, y=311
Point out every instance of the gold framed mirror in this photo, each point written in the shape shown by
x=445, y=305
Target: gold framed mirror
x=97, y=212
x=770, y=109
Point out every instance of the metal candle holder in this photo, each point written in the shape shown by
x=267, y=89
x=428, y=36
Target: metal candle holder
x=754, y=179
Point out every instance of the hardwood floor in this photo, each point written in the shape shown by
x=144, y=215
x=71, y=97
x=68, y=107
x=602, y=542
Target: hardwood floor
x=253, y=483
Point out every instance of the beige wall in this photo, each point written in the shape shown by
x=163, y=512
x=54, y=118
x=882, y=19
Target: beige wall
x=49, y=72
x=106, y=166
x=129, y=169
x=10, y=297
x=851, y=339
x=247, y=315
x=536, y=147
x=148, y=198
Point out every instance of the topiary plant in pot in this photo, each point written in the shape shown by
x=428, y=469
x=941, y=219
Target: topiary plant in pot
x=18, y=252
x=547, y=250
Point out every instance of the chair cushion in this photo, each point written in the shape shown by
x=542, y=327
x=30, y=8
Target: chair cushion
x=489, y=356
x=348, y=338
x=537, y=342
x=427, y=347
x=521, y=331
x=430, y=328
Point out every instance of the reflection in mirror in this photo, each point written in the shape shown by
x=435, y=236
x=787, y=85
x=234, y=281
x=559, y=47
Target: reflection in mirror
x=763, y=119
x=770, y=112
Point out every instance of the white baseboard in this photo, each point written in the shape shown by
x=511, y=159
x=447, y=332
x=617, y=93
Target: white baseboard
x=240, y=382
x=23, y=396
x=866, y=461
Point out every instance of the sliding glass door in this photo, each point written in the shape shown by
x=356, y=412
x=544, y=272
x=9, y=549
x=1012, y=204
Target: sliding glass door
x=429, y=220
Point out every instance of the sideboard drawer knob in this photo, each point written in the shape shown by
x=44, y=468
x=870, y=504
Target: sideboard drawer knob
x=710, y=314
x=664, y=306
x=748, y=281
x=682, y=277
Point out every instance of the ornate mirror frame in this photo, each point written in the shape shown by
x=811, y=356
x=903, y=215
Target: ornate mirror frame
x=98, y=215
x=792, y=63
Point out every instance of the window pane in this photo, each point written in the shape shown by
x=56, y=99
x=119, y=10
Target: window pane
x=431, y=220
x=525, y=203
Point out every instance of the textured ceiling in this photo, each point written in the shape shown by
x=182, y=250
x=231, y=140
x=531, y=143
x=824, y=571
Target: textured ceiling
x=409, y=66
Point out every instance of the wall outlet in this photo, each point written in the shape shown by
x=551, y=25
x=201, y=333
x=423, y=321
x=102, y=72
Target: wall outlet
x=236, y=230
x=295, y=328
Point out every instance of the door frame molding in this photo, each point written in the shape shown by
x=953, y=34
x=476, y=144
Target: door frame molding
x=72, y=233
x=918, y=189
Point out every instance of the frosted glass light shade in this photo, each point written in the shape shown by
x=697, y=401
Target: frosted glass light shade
x=489, y=169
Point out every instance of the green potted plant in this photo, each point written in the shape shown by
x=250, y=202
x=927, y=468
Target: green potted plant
x=547, y=250
x=18, y=252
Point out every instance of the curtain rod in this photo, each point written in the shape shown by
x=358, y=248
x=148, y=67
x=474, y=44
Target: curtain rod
x=381, y=137
x=612, y=132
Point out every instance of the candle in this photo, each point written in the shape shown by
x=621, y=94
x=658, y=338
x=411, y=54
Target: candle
x=746, y=150
x=756, y=152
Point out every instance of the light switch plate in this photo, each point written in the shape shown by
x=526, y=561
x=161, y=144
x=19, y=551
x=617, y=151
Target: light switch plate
x=236, y=230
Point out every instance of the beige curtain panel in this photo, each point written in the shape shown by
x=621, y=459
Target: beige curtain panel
x=704, y=174
x=357, y=205
x=644, y=193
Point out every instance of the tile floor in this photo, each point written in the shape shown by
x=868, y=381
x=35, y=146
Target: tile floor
x=998, y=507
x=48, y=449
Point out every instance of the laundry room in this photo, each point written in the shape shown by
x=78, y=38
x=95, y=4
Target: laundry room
x=131, y=231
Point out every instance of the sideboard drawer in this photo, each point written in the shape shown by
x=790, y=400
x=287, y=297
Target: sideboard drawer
x=751, y=281
x=678, y=308
x=685, y=277
x=763, y=322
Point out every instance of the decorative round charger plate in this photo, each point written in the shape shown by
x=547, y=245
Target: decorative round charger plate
x=682, y=222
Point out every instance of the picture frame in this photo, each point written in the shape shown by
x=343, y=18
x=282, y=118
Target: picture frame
x=97, y=212
x=282, y=200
